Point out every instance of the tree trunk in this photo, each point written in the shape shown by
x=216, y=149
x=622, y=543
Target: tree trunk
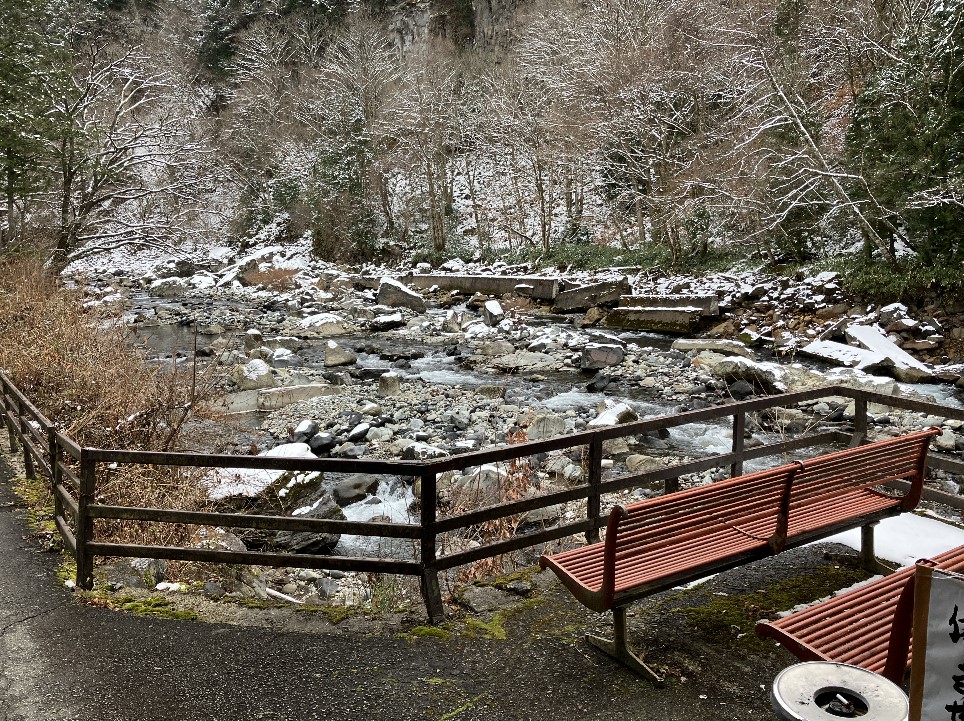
x=7, y=235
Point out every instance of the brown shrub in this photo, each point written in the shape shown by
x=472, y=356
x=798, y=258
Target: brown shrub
x=81, y=370
x=272, y=278
x=78, y=366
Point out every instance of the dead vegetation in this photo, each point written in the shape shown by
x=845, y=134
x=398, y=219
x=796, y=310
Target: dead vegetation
x=272, y=278
x=77, y=364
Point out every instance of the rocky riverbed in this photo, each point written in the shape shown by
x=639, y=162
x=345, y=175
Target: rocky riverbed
x=324, y=363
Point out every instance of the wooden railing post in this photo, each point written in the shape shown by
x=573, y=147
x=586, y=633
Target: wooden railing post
x=22, y=424
x=593, y=502
x=739, y=428
x=8, y=415
x=431, y=591
x=860, y=421
x=54, y=456
x=85, y=524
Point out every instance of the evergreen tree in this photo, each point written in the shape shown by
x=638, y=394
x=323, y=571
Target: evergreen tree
x=32, y=68
x=906, y=138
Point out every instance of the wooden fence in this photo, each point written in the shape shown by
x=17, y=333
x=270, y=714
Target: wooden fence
x=73, y=473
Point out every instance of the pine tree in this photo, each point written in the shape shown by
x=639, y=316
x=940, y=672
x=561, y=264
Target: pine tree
x=906, y=138
x=32, y=67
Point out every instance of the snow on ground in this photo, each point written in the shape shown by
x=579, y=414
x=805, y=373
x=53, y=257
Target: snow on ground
x=227, y=482
x=906, y=538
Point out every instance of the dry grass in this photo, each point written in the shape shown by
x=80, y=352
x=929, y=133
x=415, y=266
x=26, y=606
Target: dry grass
x=518, y=483
x=272, y=278
x=80, y=370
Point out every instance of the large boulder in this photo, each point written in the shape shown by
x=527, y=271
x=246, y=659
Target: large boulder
x=323, y=507
x=324, y=325
x=546, y=426
x=354, y=488
x=496, y=348
x=601, y=355
x=610, y=413
x=395, y=295
x=735, y=368
x=492, y=312
x=253, y=375
x=336, y=355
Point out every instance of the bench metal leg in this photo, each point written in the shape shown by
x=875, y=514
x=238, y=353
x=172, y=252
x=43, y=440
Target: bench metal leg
x=619, y=648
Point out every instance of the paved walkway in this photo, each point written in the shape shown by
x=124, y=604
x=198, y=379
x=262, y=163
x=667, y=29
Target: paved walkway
x=60, y=660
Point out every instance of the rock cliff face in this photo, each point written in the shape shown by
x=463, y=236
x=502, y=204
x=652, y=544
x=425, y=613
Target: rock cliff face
x=492, y=19
x=482, y=22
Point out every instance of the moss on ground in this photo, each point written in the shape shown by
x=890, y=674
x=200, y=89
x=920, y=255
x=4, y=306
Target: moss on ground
x=154, y=606
x=427, y=632
x=39, y=501
x=728, y=620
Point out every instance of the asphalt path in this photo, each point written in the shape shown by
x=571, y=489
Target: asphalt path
x=64, y=660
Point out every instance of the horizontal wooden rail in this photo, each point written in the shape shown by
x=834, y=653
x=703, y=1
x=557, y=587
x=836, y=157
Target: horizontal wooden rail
x=68, y=500
x=515, y=543
x=256, y=558
x=268, y=523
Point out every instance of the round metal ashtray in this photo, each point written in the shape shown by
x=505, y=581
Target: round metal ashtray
x=827, y=691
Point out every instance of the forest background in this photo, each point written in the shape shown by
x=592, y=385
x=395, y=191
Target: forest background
x=660, y=133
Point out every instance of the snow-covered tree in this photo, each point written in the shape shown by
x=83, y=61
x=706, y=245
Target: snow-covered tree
x=126, y=163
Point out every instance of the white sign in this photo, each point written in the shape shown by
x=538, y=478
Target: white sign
x=937, y=672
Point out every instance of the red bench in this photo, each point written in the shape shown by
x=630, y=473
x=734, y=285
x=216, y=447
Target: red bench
x=680, y=537
x=869, y=626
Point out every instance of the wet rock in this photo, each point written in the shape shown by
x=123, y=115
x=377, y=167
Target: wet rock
x=740, y=390
x=396, y=295
x=323, y=507
x=600, y=355
x=354, y=488
x=336, y=355
x=599, y=382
